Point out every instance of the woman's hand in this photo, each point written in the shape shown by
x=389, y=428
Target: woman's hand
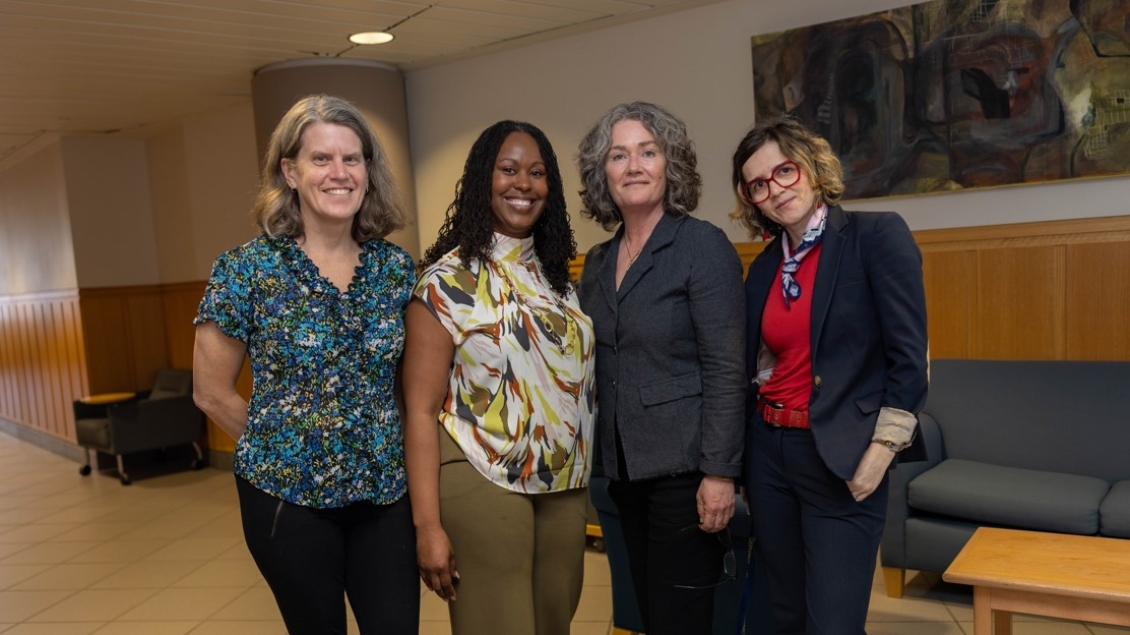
x=715, y=504
x=872, y=467
x=436, y=560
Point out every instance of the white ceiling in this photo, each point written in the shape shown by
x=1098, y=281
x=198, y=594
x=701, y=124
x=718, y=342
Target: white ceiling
x=77, y=66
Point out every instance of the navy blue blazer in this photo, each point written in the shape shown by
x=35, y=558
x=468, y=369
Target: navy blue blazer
x=669, y=349
x=868, y=330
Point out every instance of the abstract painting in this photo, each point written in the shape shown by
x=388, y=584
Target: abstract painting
x=959, y=94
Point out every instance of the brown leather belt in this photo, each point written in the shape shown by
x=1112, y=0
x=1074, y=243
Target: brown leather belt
x=777, y=415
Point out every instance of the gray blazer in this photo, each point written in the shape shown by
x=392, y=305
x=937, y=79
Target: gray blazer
x=670, y=352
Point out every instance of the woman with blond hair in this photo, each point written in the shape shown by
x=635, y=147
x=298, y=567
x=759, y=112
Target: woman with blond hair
x=317, y=302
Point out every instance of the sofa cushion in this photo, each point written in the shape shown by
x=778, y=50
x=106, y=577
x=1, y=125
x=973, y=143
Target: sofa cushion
x=1114, y=513
x=1008, y=496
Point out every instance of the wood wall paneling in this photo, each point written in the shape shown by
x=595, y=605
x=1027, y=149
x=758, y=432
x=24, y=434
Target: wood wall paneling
x=40, y=363
x=1097, y=302
x=124, y=331
x=949, y=301
x=1019, y=311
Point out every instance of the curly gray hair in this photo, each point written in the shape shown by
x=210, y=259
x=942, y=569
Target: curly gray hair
x=684, y=185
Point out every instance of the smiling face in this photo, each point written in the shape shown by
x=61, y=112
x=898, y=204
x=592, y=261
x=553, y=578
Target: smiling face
x=636, y=168
x=790, y=207
x=518, y=186
x=329, y=174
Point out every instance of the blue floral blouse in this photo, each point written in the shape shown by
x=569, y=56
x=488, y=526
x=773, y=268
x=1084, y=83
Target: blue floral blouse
x=322, y=426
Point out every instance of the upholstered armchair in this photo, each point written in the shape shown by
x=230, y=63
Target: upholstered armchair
x=156, y=419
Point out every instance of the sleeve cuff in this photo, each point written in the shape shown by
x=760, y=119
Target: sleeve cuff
x=895, y=427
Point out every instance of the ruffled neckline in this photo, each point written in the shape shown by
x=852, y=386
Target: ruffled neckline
x=307, y=272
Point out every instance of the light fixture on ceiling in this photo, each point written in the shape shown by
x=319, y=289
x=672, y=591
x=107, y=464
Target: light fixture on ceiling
x=371, y=37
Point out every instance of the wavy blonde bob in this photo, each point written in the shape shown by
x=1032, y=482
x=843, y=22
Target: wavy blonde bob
x=810, y=151
x=276, y=209
x=684, y=184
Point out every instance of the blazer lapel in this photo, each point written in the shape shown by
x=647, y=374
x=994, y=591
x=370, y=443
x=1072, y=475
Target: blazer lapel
x=663, y=235
x=831, y=248
x=607, y=272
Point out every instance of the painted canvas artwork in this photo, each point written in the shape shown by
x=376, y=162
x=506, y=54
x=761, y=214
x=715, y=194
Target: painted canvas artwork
x=958, y=94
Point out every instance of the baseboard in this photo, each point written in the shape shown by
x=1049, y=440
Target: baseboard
x=48, y=442
x=64, y=448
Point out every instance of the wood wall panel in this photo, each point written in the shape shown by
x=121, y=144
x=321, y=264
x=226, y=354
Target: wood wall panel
x=1034, y=289
x=1019, y=310
x=949, y=303
x=1097, y=302
x=42, y=362
x=124, y=330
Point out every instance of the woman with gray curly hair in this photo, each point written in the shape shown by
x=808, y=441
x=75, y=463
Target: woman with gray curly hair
x=837, y=364
x=665, y=298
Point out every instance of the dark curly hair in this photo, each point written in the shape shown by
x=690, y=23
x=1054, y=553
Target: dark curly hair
x=469, y=224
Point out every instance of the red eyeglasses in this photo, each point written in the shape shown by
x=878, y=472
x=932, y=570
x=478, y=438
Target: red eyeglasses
x=785, y=175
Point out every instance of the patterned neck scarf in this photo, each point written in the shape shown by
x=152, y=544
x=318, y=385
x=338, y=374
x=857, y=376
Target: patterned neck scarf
x=808, y=240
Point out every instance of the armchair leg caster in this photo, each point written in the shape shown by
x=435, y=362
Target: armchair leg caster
x=123, y=478
x=198, y=463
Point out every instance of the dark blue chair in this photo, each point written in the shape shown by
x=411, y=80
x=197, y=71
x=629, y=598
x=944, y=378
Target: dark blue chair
x=747, y=596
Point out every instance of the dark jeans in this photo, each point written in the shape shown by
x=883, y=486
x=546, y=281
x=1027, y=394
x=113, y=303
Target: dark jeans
x=817, y=542
x=312, y=557
x=666, y=549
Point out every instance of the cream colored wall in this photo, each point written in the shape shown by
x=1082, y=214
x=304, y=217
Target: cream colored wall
x=222, y=172
x=35, y=230
x=698, y=64
x=107, y=183
x=172, y=208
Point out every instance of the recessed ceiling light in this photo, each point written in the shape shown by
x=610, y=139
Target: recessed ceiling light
x=371, y=37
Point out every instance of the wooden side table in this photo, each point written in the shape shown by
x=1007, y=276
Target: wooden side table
x=1084, y=578
x=107, y=398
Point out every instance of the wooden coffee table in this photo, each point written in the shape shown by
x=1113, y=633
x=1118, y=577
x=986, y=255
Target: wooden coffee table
x=1083, y=578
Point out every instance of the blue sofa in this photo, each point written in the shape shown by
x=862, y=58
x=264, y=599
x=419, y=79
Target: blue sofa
x=1037, y=445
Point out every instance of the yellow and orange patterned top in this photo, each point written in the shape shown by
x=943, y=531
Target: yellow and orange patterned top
x=521, y=398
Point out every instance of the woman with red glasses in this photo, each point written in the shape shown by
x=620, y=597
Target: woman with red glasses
x=836, y=358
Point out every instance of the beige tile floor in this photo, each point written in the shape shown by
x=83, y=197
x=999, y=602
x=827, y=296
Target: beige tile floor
x=165, y=556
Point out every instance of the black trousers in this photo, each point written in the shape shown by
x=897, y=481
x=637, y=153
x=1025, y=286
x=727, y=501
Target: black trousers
x=817, y=542
x=312, y=558
x=666, y=551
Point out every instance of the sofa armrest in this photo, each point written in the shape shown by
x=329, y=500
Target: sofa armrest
x=893, y=548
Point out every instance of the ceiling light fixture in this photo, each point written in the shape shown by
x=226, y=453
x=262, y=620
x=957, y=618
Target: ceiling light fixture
x=371, y=37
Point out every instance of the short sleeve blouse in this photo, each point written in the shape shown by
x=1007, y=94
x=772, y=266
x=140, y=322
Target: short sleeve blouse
x=323, y=429
x=521, y=393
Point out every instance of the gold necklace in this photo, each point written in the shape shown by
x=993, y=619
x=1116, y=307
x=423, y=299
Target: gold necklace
x=628, y=248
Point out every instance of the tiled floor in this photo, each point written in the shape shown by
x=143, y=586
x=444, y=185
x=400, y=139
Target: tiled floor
x=165, y=556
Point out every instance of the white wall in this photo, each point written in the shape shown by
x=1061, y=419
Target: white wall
x=35, y=230
x=697, y=63
x=111, y=217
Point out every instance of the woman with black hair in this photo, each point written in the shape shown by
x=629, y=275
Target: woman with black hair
x=498, y=380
